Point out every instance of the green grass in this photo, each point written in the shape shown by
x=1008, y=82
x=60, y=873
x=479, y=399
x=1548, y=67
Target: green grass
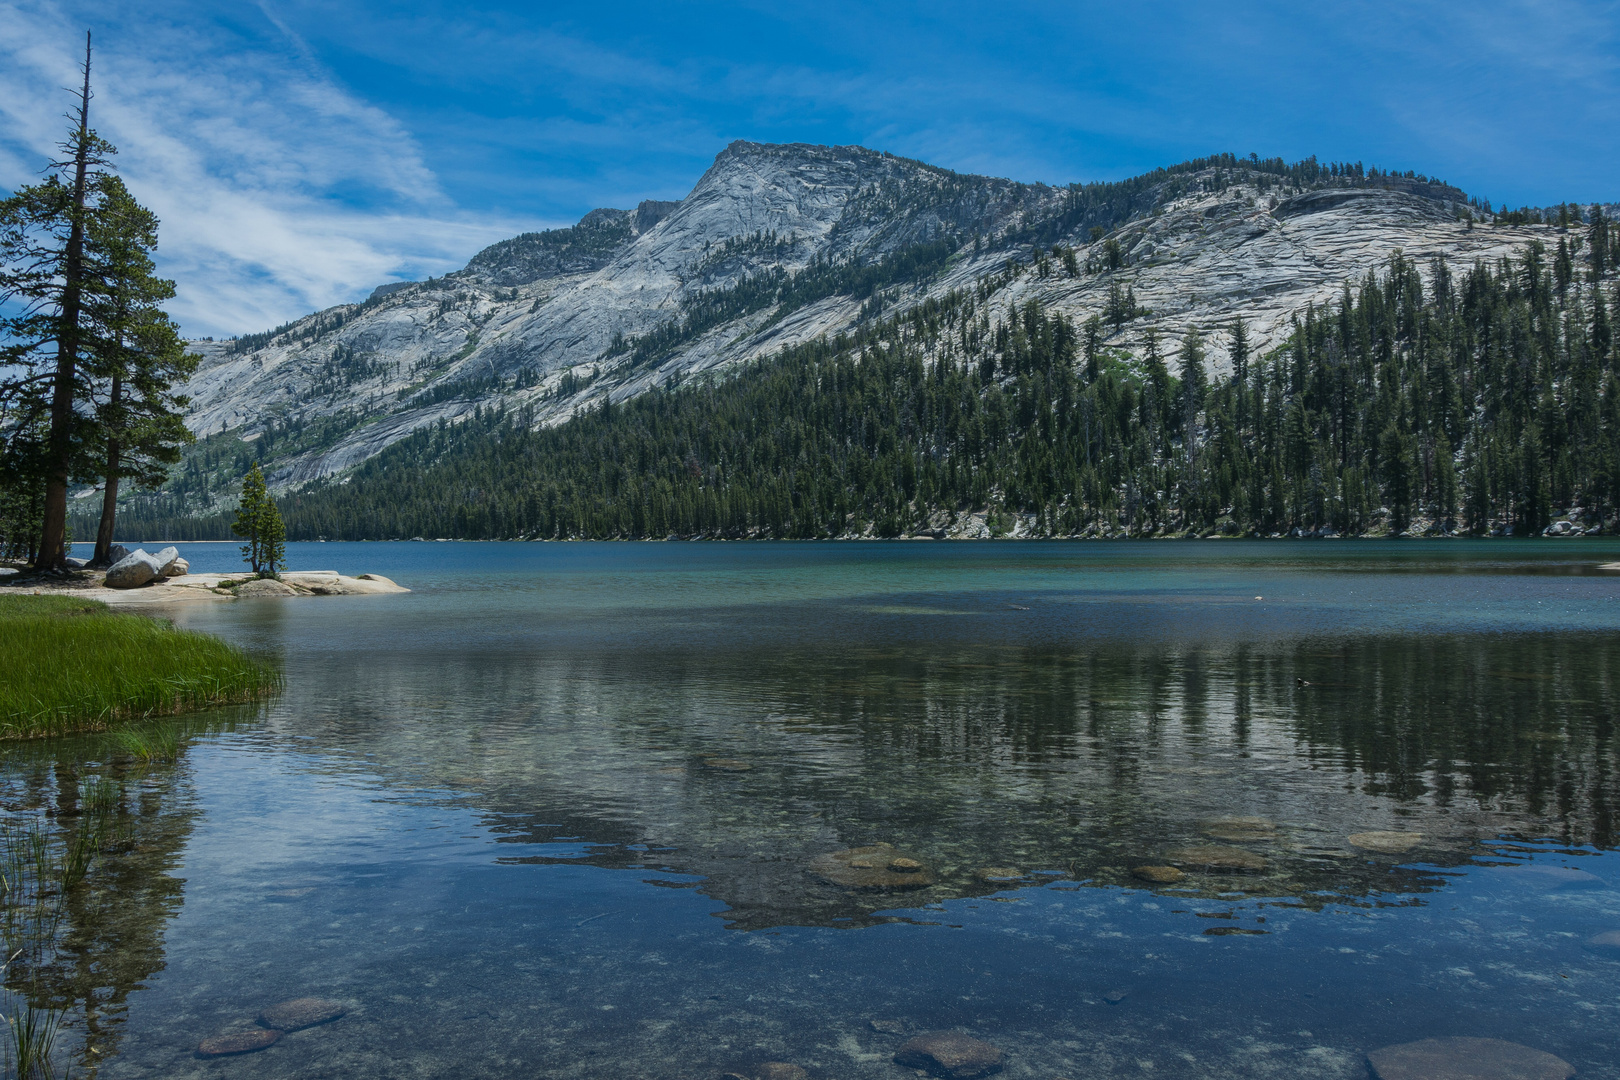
x=74, y=665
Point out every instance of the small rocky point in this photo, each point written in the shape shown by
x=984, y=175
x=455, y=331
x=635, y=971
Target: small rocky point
x=949, y=1054
x=264, y=587
x=1467, y=1059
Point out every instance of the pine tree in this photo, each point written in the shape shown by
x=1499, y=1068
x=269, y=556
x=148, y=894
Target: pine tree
x=44, y=279
x=1445, y=481
x=1240, y=378
x=258, y=521
x=1563, y=266
x=1598, y=243
x=137, y=356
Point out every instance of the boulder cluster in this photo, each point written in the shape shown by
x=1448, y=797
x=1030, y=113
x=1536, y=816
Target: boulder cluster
x=132, y=569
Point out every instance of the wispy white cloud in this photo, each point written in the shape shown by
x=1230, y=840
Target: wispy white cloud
x=284, y=188
x=280, y=192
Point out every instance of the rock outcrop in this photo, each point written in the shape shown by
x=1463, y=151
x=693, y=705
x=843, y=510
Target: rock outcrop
x=264, y=587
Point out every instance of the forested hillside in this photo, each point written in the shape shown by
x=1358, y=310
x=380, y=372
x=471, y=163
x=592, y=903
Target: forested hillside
x=784, y=245
x=1483, y=400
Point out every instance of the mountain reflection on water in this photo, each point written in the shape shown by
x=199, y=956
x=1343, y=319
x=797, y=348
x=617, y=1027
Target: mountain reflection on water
x=741, y=767
x=567, y=810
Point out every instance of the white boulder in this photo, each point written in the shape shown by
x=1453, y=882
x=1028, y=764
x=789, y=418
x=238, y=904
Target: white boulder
x=134, y=570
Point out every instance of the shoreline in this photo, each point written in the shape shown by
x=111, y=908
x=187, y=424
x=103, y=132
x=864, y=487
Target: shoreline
x=1360, y=538
x=190, y=588
x=76, y=663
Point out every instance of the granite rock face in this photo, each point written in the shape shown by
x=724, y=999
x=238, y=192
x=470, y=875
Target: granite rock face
x=548, y=321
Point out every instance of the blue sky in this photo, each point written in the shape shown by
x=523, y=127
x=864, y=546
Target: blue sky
x=300, y=153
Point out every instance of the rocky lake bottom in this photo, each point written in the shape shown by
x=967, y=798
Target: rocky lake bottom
x=684, y=810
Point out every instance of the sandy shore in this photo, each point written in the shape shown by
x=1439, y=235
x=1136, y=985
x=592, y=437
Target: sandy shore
x=194, y=587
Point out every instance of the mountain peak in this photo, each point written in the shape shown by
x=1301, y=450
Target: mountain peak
x=781, y=243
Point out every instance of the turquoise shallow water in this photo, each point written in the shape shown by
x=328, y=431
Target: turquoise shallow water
x=558, y=812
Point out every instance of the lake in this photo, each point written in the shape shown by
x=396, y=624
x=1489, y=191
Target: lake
x=587, y=810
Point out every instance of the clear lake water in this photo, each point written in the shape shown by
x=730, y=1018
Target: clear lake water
x=564, y=811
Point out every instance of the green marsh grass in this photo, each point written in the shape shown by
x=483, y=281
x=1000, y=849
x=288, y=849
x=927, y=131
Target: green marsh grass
x=44, y=858
x=147, y=744
x=75, y=665
x=32, y=1041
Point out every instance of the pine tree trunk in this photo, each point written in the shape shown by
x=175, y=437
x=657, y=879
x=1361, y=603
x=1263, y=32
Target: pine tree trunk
x=53, y=527
x=109, y=510
x=109, y=498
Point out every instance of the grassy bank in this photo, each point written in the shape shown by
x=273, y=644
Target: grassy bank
x=74, y=665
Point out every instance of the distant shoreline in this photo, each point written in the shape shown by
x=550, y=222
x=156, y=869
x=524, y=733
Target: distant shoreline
x=1405, y=538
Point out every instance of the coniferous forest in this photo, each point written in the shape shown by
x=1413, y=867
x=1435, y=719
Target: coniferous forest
x=1477, y=400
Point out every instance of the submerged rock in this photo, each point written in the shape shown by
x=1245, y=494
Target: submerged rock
x=1386, y=842
x=300, y=1013
x=1552, y=877
x=1609, y=939
x=1238, y=829
x=888, y=1027
x=238, y=1042
x=881, y=866
x=1216, y=857
x=1466, y=1059
x=949, y=1054
x=133, y=570
x=770, y=1070
x=1159, y=875
x=997, y=874
x=727, y=764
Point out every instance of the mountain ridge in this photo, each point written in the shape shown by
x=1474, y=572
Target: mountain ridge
x=778, y=244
